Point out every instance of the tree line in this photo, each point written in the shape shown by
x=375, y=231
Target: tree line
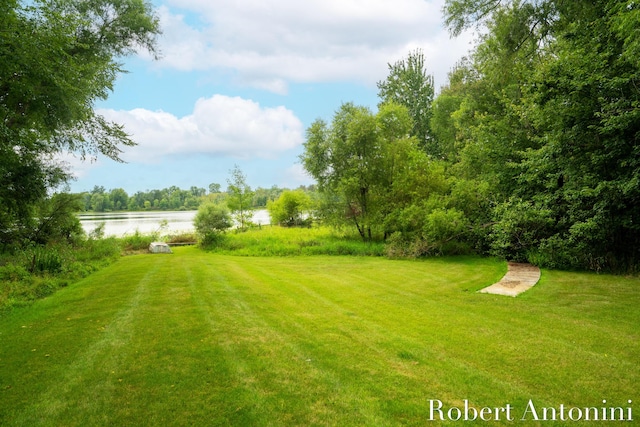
x=172, y=198
x=530, y=152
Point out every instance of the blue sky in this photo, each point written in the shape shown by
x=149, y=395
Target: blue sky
x=238, y=83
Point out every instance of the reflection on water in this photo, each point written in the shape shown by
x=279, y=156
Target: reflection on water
x=124, y=223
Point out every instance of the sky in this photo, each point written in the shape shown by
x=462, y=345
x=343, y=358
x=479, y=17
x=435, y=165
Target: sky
x=239, y=82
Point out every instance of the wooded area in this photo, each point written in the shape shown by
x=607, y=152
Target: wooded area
x=531, y=152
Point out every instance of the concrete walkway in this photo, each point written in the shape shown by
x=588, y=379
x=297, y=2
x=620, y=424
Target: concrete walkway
x=519, y=278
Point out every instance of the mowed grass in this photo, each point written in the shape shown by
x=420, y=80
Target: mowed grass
x=196, y=338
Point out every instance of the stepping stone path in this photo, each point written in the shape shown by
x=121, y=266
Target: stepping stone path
x=519, y=278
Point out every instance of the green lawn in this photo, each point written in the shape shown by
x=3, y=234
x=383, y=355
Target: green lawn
x=196, y=338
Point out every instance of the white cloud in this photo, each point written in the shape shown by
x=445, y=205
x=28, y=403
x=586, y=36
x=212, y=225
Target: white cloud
x=270, y=43
x=218, y=126
x=73, y=164
x=295, y=176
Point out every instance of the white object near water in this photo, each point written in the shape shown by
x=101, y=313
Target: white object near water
x=159, y=248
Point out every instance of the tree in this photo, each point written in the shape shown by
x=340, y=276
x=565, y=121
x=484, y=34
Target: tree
x=463, y=14
x=58, y=59
x=98, y=202
x=561, y=129
x=197, y=191
x=342, y=159
x=446, y=126
x=240, y=197
x=119, y=199
x=289, y=208
x=355, y=161
x=586, y=106
x=262, y=196
x=64, y=58
x=214, y=188
x=24, y=181
x=57, y=219
x=409, y=84
x=211, y=221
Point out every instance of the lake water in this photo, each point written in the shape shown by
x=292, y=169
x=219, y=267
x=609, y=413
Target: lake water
x=124, y=223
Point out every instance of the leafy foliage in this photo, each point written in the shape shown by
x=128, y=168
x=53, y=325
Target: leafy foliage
x=548, y=117
x=58, y=58
x=290, y=209
x=240, y=197
x=408, y=84
x=356, y=160
x=57, y=220
x=210, y=221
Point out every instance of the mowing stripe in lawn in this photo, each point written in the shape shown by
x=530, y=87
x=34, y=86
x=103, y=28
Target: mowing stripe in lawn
x=196, y=338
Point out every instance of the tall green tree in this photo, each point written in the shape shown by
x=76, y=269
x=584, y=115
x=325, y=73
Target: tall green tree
x=240, y=198
x=214, y=188
x=409, y=84
x=447, y=115
x=119, y=199
x=57, y=58
x=342, y=158
x=493, y=130
x=355, y=161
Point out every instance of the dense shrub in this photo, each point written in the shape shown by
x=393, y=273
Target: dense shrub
x=57, y=220
x=13, y=273
x=290, y=208
x=519, y=228
x=210, y=222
